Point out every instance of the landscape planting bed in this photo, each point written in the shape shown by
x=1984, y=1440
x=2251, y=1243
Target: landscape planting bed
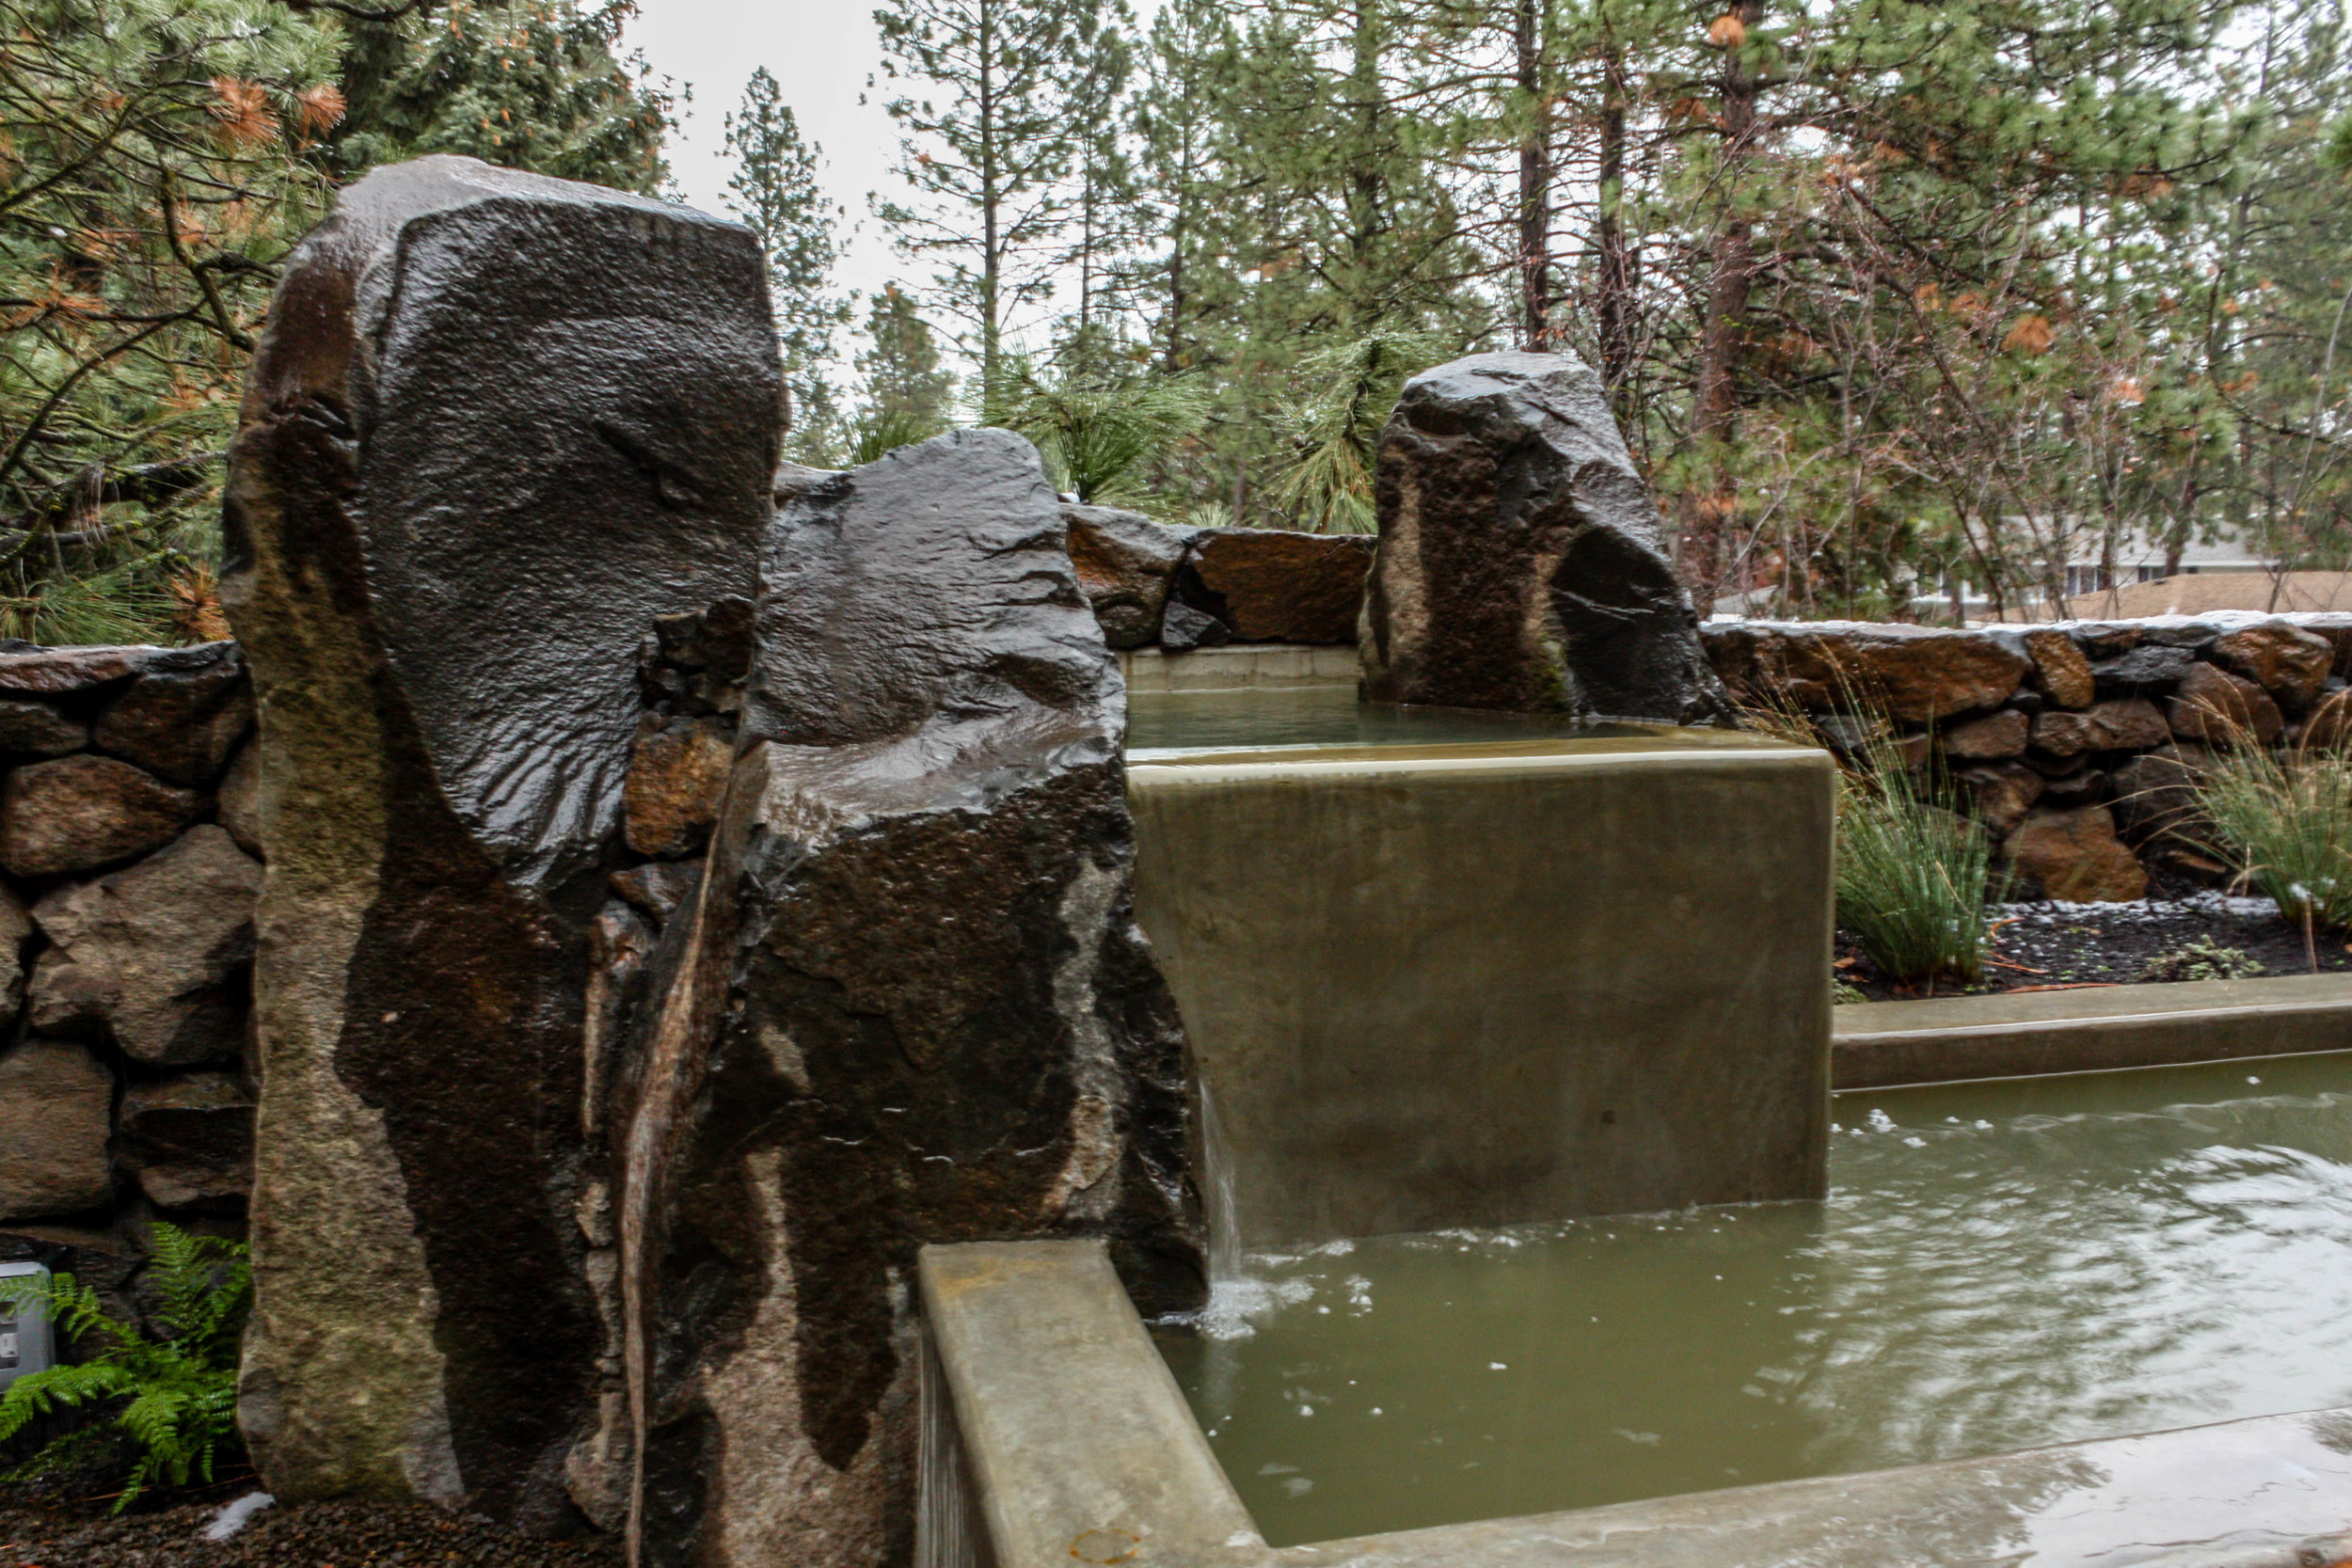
x=2043, y=944
x=303, y=1535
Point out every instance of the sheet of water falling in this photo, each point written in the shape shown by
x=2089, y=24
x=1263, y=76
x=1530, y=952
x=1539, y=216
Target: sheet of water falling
x=1322, y=716
x=1998, y=1266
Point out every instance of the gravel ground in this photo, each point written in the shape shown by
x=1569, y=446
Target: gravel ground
x=2046, y=944
x=302, y=1535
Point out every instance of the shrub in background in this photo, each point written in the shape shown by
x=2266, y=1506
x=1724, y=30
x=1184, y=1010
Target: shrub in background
x=2283, y=819
x=179, y=1387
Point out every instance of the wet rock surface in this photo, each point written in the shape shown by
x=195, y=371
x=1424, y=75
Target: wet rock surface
x=927, y=1015
x=180, y=722
x=189, y=1140
x=2073, y=854
x=500, y=426
x=1267, y=586
x=1520, y=564
x=153, y=958
x=2215, y=707
x=1125, y=564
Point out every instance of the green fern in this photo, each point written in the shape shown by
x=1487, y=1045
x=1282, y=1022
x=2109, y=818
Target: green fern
x=182, y=1385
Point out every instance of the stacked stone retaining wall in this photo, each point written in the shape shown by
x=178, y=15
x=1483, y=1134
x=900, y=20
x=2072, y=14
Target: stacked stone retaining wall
x=129, y=867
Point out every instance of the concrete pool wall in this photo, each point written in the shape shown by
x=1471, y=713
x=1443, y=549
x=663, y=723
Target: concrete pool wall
x=1072, y=1443
x=1482, y=984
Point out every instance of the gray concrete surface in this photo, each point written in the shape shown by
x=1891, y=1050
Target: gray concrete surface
x=1476, y=985
x=1881, y=1044
x=1238, y=666
x=1083, y=1450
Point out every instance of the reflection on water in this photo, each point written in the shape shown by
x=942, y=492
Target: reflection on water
x=1998, y=1266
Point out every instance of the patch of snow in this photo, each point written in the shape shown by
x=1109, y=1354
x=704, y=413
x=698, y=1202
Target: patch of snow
x=235, y=1516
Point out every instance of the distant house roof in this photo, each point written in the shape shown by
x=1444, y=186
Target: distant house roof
x=2197, y=594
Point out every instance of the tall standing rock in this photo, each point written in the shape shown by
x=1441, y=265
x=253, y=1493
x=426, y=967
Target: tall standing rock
x=1520, y=563
x=909, y=1004
x=499, y=424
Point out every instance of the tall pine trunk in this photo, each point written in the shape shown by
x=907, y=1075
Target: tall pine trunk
x=1534, y=225
x=1710, y=505
x=1613, y=311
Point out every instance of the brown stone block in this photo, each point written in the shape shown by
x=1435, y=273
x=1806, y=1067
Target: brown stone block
x=1125, y=564
x=181, y=722
x=189, y=1139
x=676, y=772
x=2281, y=657
x=2076, y=856
x=33, y=728
x=2000, y=796
x=79, y=812
x=2215, y=707
x=54, y=1106
x=1272, y=587
x=1989, y=738
x=2061, y=671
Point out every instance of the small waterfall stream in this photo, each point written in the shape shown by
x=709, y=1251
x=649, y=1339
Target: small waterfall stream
x=1217, y=1184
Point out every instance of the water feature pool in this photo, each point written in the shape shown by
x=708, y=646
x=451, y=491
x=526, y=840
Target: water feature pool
x=1163, y=721
x=1998, y=1266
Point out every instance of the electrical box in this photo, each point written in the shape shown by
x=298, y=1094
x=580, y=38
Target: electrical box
x=25, y=1343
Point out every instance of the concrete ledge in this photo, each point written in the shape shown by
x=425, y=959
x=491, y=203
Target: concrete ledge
x=1082, y=1450
x=1239, y=667
x=1882, y=1044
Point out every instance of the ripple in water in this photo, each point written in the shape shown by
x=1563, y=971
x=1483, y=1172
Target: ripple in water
x=1998, y=1266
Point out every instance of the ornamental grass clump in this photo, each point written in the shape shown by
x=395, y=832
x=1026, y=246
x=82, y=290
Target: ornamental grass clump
x=1912, y=876
x=2283, y=819
x=177, y=1389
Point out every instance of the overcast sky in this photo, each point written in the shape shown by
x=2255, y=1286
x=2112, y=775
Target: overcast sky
x=820, y=52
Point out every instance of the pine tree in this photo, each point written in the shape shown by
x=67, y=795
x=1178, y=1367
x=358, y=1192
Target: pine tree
x=908, y=393
x=774, y=191
x=528, y=84
x=985, y=106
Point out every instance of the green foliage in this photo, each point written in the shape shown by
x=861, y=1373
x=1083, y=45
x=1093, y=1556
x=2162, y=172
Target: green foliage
x=2201, y=958
x=773, y=190
x=1335, y=429
x=2284, y=819
x=532, y=84
x=1913, y=877
x=181, y=1386
x=908, y=393
x=1097, y=431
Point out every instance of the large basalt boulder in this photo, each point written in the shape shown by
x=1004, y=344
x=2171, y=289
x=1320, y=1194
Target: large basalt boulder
x=909, y=1004
x=2215, y=706
x=1520, y=563
x=2283, y=658
x=499, y=425
x=55, y=1104
x=153, y=958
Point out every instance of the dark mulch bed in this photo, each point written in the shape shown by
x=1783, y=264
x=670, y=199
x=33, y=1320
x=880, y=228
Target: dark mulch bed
x=298, y=1536
x=2045, y=945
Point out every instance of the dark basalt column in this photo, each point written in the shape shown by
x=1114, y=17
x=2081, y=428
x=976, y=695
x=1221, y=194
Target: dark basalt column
x=909, y=1005
x=1520, y=563
x=498, y=426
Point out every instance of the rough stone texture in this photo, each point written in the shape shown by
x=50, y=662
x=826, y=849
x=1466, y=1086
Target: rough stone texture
x=2283, y=659
x=2142, y=671
x=1519, y=564
x=55, y=1104
x=2213, y=705
x=60, y=671
x=34, y=728
x=1183, y=628
x=925, y=1013
x=2156, y=796
x=1994, y=735
x=153, y=958
x=2061, y=673
x=657, y=888
x=677, y=773
x=2001, y=796
x=181, y=722
x=2074, y=856
x=1914, y=673
x=1273, y=587
x=16, y=924
x=1125, y=562
x=499, y=425
x=2119, y=723
x=240, y=799
x=189, y=1140
x=79, y=812
x=2329, y=723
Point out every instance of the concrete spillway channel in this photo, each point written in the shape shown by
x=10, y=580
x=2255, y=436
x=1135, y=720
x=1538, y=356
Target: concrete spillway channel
x=1465, y=986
